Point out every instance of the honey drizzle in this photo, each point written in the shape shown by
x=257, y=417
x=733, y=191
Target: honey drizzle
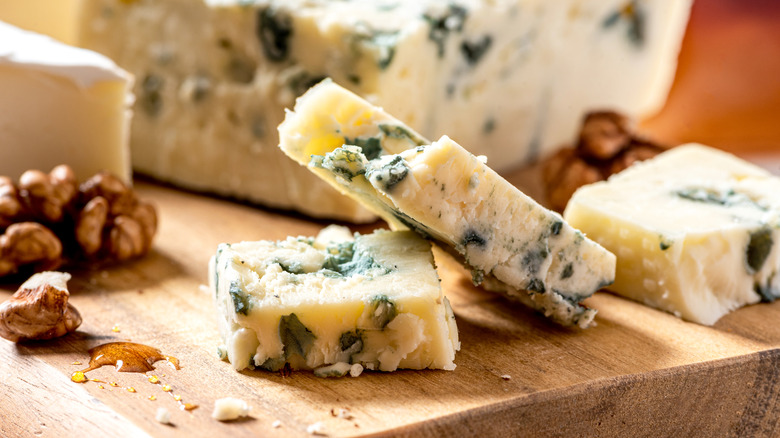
x=127, y=357
x=133, y=358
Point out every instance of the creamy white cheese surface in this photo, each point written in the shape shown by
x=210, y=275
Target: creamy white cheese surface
x=61, y=105
x=38, y=52
x=695, y=231
x=330, y=305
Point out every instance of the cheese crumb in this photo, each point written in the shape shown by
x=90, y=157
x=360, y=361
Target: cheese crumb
x=163, y=416
x=355, y=370
x=316, y=429
x=506, y=377
x=229, y=408
x=345, y=414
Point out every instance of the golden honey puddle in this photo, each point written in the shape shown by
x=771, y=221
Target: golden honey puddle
x=129, y=357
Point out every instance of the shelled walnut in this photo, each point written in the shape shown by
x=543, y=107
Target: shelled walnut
x=49, y=219
x=39, y=309
x=113, y=220
x=607, y=144
x=29, y=244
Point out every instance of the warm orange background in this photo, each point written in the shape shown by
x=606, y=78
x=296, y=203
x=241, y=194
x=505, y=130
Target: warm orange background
x=727, y=90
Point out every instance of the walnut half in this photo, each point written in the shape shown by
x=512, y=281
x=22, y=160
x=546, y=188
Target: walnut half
x=114, y=222
x=607, y=144
x=29, y=244
x=39, y=309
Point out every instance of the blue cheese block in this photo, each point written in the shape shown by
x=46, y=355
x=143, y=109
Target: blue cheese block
x=447, y=194
x=333, y=303
x=509, y=79
x=695, y=231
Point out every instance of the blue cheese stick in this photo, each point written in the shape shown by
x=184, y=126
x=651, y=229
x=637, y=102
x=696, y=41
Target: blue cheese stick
x=695, y=231
x=445, y=193
x=336, y=304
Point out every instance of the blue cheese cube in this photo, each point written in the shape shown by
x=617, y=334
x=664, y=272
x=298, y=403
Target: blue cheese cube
x=695, y=231
x=335, y=304
x=445, y=193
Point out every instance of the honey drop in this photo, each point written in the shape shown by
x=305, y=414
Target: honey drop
x=127, y=357
x=78, y=377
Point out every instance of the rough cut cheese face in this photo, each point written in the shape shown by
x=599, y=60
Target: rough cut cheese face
x=61, y=105
x=695, y=231
x=445, y=193
x=509, y=79
x=333, y=304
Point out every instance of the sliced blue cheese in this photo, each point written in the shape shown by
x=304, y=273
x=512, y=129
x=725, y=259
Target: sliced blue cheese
x=336, y=304
x=445, y=193
x=695, y=231
x=508, y=79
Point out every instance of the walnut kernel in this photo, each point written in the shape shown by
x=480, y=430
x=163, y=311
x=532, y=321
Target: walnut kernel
x=101, y=219
x=48, y=195
x=607, y=145
x=39, y=309
x=29, y=244
x=10, y=207
x=114, y=222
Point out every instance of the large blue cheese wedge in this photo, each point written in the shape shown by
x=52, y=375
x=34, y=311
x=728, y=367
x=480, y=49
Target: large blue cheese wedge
x=61, y=105
x=445, y=193
x=334, y=304
x=509, y=79
x=695, y=231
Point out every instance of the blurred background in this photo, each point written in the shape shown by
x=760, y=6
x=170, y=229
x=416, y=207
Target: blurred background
x=727, y=89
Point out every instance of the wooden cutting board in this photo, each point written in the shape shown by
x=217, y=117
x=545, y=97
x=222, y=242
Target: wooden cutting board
x=639, y=372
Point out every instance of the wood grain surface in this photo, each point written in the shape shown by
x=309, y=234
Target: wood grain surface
x=639, y=371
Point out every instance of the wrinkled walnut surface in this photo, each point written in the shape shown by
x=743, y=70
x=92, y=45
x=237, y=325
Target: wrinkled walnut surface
x=29, y=243
x=114, y=222
x=48, y=195
x=607, y=144
x=39, y=310
x=48, y=219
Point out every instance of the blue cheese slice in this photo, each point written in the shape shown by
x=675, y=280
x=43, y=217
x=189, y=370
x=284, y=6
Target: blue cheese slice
x=334, y=304
x=445, y=193
x=695, y=231
x=497, y=76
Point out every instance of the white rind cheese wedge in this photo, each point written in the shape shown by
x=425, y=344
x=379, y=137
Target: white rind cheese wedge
x=333, y=305
x=695, y=231
x=509, y=79
x=445, y=193
x=61, y=105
